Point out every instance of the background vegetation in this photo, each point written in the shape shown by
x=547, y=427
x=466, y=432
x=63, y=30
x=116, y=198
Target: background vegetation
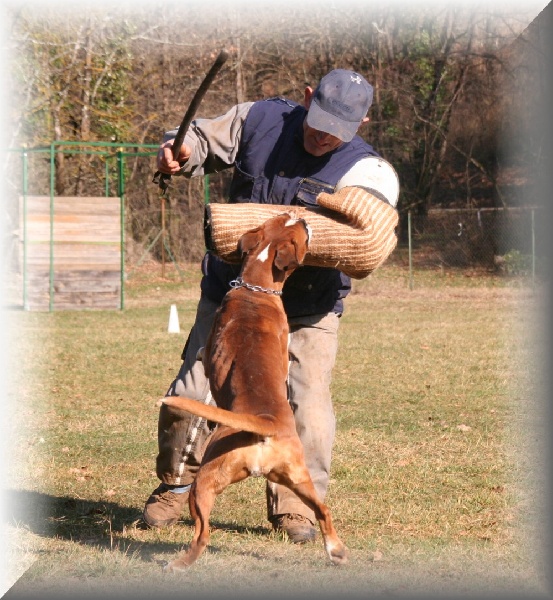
x=445, y=78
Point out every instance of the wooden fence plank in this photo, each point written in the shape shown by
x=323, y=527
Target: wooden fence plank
x=86, y=252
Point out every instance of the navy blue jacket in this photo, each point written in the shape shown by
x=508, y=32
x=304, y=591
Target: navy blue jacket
x=272, y=167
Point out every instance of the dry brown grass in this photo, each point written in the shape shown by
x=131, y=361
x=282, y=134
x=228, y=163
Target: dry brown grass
x=436, y=482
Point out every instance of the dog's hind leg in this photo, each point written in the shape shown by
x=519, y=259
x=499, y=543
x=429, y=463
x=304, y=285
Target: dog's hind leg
x=296, y=477
x=200, y=513
x=335, y=548
x=219, y=469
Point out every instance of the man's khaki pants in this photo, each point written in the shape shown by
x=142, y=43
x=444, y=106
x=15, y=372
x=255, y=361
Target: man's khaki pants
x=182, y=437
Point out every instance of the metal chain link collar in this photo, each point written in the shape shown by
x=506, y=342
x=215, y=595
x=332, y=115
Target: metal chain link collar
x=239, y=282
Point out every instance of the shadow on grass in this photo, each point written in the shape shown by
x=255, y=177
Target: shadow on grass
x=93, y=523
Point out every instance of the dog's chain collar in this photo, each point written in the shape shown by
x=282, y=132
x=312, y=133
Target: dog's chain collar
x=239, y=282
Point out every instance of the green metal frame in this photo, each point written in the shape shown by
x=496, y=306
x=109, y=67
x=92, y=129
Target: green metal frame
x=116, y=150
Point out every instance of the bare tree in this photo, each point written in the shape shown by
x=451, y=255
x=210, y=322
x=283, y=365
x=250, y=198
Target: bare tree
x=119, y=76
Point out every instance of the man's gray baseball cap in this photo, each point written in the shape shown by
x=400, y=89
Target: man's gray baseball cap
x=339, y=104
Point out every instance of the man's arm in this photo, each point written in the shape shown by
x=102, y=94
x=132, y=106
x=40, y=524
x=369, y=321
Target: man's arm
x=210, y=145
x=375, y=175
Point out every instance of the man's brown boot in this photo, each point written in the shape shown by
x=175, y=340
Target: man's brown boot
x=299, y=528
x=164, y=507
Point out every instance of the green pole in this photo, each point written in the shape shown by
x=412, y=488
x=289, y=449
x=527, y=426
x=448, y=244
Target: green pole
x=52, y=192
x=206, y=189
x=25, y=192
x=121, y=191
x=410, y=250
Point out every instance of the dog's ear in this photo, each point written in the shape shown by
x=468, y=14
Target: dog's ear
x=249, y=241
x=288, y=255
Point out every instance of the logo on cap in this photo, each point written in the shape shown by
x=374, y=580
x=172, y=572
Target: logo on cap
x=356, y=79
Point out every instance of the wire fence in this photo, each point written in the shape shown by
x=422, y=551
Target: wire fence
x=507, y=242
x=491, y=241
x=498, y=241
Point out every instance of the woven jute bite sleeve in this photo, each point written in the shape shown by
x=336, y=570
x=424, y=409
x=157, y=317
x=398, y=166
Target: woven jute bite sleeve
x=352, y=230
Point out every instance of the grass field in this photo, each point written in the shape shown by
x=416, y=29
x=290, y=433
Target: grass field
x=438, y=474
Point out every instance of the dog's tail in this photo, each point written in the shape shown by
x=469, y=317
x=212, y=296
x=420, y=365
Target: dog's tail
x=261, y=425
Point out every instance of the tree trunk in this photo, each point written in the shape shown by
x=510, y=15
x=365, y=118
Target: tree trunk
x=59, y=159
x=86, y=91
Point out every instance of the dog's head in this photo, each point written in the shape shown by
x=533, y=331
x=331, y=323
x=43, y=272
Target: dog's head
x=283, y=240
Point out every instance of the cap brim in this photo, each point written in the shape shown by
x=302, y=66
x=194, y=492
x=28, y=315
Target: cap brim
x=319, y=119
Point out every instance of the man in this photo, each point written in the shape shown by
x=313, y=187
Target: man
x=282, y=153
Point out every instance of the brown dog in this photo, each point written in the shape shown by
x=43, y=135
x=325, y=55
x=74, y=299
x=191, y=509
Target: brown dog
x=246, y=361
